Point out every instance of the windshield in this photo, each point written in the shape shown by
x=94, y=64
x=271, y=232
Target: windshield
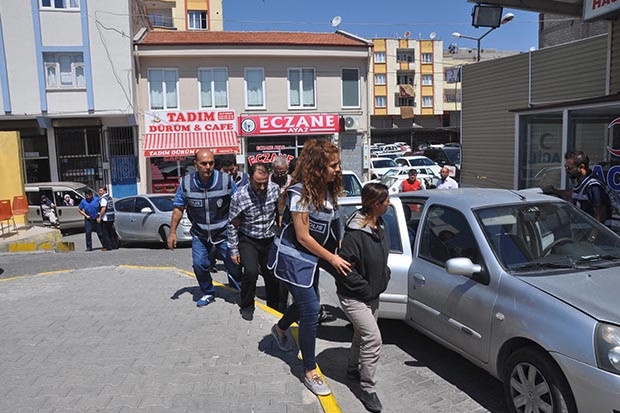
x=163, y=203
x=453, y=154
x=421, y=162
x=535, y=236
x=384, y=163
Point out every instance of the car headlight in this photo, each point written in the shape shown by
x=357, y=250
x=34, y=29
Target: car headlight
x=607, y=346
x=185, y=222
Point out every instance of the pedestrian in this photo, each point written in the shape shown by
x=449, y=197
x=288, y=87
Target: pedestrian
x=252, y=214
x=309, y=237
x=48, y=210
x=89, y=208
x=106, y=219
x=446, y=181
x=366, y=246
x=279, y=172
x=206, y=195
x=589, y=193
x=412, y=183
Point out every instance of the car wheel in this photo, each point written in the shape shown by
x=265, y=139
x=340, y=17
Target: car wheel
x=163, y=233
x=533, y=383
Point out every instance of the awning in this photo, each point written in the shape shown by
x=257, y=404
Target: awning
x=187, y=143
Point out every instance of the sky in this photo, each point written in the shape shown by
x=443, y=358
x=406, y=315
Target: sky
x=385, y=18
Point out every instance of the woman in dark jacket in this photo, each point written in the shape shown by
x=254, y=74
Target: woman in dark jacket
x=366, y=246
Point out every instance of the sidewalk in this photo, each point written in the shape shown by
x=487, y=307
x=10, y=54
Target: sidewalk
x=33, y=239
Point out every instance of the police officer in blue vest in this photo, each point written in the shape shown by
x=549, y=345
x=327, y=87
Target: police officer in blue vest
x=106, y=219
x=206, y=196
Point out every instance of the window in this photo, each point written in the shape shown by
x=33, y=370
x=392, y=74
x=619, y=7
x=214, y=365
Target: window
x=404, y=78
x=405, y=101
x=213, y=85
x=446, y=234
x=254, y=87
x=301, y=88
x=452, y=97
x=427, y=101
x=163, y=88
x=380, y=79
x=60, y=4
x=197, y=20
x=405, y=55
x=379, y=57
x=427, y=80
x=350, y=88
x=380, y=101
x=64, y=70
x=159, y=20
x=427, y=58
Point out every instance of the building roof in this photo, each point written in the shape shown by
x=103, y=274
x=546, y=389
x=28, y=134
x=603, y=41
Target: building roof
x=168, y=38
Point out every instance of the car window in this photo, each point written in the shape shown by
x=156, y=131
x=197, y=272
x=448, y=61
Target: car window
x=142, y=203
x=74, y=198
x=391, y=225
x=383, y=163
x=351, y=185
x=124, y=205
x=447, y=234
x=163, y=203
x=401, y=162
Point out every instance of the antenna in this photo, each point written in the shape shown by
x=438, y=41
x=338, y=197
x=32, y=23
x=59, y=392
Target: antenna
x=407, y=34
x=433, y=35
x=336, y=21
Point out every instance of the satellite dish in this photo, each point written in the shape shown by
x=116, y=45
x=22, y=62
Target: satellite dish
x=336, y=21
x=407, y=34
x=432, y=35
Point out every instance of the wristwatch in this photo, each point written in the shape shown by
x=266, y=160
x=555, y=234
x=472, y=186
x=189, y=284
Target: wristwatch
x=592, y=238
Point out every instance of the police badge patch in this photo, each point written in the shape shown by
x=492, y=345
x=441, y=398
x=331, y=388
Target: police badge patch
x=220, y=202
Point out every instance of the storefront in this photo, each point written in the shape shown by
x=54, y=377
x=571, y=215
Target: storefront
x=268, y=136
x=171, y=138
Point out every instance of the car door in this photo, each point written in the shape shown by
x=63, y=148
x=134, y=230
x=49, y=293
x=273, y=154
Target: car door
x=68, y=215
x=123, y=209
x=455, y=308
x=144, y=223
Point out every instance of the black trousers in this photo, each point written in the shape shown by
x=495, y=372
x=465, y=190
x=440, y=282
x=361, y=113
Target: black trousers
x=254, y=253
x=109, y=235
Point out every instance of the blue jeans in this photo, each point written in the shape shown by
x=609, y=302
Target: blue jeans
x=89, y=226
x=305, y=308
x=201, y=263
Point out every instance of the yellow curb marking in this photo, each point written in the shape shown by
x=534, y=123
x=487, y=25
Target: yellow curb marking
x=328, y=403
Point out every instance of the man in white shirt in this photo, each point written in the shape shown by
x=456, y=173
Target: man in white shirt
x=446, y=181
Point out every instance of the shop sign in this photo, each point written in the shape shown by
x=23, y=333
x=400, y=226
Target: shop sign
x=318, y=123
x=597, y=9
x=267, y=157
x=190, y=121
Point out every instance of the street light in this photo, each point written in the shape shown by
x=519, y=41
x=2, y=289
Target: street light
x=507, y=17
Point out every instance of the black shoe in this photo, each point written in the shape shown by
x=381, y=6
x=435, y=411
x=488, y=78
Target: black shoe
x=247, y=313
x=325, y=317
x=371, y=402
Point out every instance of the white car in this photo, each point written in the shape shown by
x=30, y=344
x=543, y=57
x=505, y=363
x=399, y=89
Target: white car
x=394, y=178
x=379, y=166
x=418, y=160
x=352, y=184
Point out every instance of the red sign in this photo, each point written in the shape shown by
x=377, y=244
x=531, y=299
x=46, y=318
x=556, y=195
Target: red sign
x=267, y=157
x=320, y=123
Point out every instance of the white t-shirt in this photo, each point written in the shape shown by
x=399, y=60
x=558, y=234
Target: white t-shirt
x=103, y=203
x=297, y=206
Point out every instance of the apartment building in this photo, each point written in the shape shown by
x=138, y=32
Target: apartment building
x=66, y=81
x=407, y=88
x=184, y=14
x=252, y=94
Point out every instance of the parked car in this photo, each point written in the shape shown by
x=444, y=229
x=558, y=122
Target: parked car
x=352, y=184
x=395, y=177
x=381, y=165
x=69, y=216
x=146, y=218
x=418, y=160
x=446, y=156
x=523, y=285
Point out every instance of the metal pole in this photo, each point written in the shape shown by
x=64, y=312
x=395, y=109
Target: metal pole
x=478, y=55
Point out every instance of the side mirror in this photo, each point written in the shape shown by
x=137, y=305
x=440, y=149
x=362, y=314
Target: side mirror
x=462, y=266
x=146, y=210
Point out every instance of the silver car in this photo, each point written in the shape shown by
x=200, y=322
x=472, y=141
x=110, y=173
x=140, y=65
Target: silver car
x=521, y=284
x=146, y=218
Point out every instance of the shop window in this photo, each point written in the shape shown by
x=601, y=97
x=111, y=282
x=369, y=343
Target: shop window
x=301, y=90
x=254, y=88
x=163, y=88
x=350, y=88
x=213, y=85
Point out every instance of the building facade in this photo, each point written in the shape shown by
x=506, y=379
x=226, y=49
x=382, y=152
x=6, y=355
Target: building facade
x=252, y=94
x=66, y=79
x=183, y=14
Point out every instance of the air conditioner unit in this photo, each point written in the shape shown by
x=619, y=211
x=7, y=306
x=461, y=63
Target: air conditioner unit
x=352, y=122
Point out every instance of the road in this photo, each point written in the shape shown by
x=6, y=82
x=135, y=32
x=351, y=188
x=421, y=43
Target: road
x=415, y=374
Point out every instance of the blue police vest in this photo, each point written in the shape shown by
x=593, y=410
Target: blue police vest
x=208, y=208
x=288, y=259
x=580, y=195
x=109, y=208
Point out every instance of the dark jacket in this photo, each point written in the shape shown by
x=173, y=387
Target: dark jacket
x=367, y=250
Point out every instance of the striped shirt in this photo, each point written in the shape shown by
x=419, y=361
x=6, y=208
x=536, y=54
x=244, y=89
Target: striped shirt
x=256, y=215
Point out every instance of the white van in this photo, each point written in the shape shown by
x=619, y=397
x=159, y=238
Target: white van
x=68, y=215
